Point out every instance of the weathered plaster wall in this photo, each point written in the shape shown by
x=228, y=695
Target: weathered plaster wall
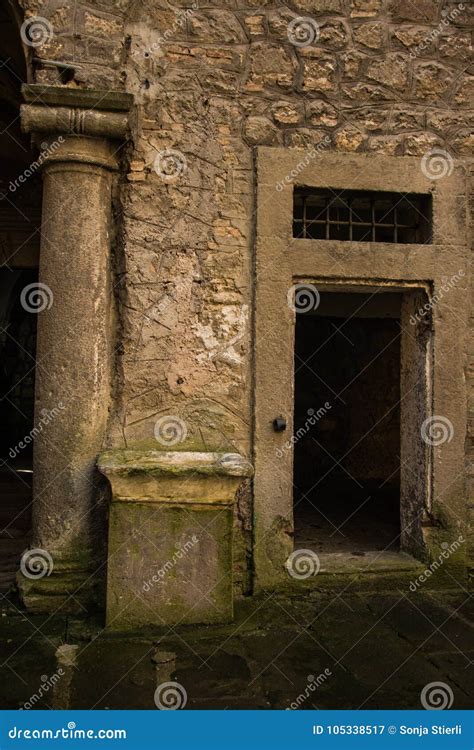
x=470, y=398
x=211, y=80
x=212, y=84
x=213, y=88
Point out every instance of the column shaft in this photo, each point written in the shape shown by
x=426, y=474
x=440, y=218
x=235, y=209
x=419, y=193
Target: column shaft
x=73, y=368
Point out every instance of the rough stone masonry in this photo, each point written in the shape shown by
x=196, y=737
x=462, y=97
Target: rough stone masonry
x=211, y=81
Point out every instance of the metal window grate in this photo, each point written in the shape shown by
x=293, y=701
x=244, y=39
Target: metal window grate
x=369, y=216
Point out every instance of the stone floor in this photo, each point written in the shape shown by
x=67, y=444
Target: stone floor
x=357, y=520
x=309, y=650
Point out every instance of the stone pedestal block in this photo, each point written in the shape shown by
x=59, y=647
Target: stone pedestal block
x=170, y=537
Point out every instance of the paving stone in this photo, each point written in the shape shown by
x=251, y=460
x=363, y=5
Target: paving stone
x=314, y=650
x=114, y=674
x=426, y=621
x=27, y=648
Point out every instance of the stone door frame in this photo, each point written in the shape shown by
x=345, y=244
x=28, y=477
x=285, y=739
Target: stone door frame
x=437, y=482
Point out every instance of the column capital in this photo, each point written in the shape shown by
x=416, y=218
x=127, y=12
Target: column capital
x=79, y=112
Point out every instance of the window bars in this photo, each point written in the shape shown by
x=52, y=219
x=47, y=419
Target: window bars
x=362, y=216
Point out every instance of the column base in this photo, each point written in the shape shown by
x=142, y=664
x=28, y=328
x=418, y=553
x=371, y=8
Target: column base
x=65, y=591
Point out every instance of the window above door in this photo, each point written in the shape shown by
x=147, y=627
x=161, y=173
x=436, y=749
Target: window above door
x=364, y=216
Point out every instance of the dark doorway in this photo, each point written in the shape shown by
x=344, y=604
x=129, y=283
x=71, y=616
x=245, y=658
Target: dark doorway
x=17, y=371
x=20, y=210
x=17, y=367
x=347, y=424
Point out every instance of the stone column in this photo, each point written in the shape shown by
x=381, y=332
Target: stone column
x=79, y=143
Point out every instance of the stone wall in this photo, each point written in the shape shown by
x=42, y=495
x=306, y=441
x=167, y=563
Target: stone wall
x=470, y=400
x=86, y=39
x=212, y=80
x=211, y=84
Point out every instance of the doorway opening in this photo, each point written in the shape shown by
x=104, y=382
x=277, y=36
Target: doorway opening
x=20, y=212
x=17, y=371
x=347, y=475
